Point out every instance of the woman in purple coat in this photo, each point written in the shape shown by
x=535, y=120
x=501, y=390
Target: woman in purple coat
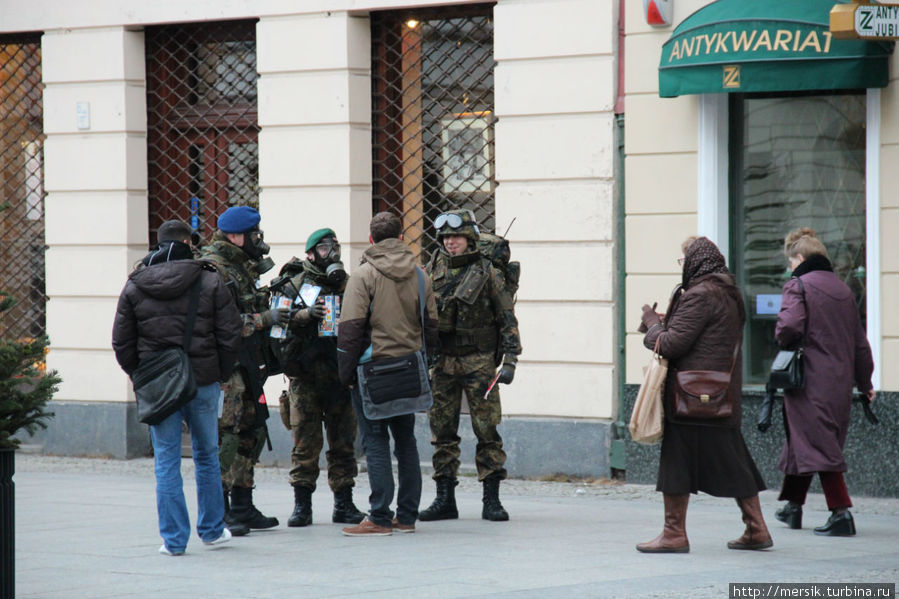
x=824, y=320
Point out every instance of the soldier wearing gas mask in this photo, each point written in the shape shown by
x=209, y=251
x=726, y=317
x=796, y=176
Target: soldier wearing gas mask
x=478, y=332
x=316, y=398
x=238, y=250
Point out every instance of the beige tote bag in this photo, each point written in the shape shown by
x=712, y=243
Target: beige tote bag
x=647, y=418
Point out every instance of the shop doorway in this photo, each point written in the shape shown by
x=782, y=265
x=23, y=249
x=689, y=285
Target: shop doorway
x=795, y=161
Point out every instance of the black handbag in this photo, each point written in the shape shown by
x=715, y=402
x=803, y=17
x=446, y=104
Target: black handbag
x=786, y=370
x=396, y=386
x=164, y=380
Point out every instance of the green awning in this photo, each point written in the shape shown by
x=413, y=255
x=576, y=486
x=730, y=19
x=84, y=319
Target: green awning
x=766, y=46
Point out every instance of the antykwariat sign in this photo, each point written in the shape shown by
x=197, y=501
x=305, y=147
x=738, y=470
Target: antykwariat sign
x=748, y=44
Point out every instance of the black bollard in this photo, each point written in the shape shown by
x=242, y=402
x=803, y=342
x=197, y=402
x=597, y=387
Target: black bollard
x=7, y=524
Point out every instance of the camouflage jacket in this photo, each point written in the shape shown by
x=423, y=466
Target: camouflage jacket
x=475, y=311
x=240, y=275
x=304, y=347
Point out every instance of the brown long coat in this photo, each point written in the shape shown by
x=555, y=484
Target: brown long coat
x=699, y=333
x=837, y=355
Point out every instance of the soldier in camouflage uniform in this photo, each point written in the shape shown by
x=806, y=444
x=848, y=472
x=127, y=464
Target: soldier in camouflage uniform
x=316, y=397
x=478, y=328
x=237, y=249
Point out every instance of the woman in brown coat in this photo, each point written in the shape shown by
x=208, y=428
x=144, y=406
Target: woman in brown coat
x=703, y=330
x=819, y=312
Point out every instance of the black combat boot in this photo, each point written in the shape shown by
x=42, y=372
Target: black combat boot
x=302, y=507
x=444, y=506
x=493, y=509
x=244, y=512
x=345, y=511
x=237, y=529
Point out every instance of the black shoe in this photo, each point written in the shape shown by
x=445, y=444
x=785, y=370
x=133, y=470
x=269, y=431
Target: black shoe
x=302, y=507
x=345, y=511
x=790, y=514
x=244, y=512
x=493, y=510
x=838, y=525
x=237, y=529
x=444, y=506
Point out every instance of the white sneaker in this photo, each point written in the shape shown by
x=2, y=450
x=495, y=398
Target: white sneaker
x=165, y=551
x=224, y=538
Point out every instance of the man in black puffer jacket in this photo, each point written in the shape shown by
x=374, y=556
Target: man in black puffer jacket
x=151, y=316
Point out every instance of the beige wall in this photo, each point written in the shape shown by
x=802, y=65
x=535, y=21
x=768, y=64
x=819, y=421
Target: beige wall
x=661, y=145
x=96, y=215
x=889, y=230
x=555, y=158
x=661, y=187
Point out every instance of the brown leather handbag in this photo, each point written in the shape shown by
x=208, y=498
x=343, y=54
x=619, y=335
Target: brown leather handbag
x=704, y=393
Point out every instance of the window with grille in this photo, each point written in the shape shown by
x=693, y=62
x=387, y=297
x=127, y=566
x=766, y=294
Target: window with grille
x=22, y=242
x=202, y=122
x=433, y=117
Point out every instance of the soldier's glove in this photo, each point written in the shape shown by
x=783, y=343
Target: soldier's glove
x=506, y=374
x=279, y=316
x=317, y=310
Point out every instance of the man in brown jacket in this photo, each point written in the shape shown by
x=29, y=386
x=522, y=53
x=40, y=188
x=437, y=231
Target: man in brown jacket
x=380, y=318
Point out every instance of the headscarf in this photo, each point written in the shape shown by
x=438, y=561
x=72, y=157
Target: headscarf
x=702, y=258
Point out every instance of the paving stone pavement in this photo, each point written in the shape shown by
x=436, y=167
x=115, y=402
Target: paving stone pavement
x=86, y=528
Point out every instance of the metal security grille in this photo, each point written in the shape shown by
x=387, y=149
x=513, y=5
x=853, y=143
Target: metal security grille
x=433, y=116
x=22, y=186
x=201, y=117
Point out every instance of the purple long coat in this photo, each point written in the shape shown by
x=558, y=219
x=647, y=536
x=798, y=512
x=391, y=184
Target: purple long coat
x=837, y=356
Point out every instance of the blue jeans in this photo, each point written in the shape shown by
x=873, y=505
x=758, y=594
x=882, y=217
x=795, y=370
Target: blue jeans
x=201, y=416
x=376, y=443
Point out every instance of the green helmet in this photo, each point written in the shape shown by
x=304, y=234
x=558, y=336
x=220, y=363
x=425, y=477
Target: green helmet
x=457, y=222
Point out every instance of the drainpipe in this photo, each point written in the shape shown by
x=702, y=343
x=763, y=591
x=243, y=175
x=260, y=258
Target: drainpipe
x=617, y=452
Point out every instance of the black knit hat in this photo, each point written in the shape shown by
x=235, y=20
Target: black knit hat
x=172, y=230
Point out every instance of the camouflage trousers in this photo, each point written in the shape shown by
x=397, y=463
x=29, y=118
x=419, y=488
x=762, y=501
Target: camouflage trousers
x=313, y=404
x=241, y=440
x=472, y=374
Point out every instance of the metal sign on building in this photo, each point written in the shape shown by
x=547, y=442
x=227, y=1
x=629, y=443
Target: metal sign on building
x=865, y=21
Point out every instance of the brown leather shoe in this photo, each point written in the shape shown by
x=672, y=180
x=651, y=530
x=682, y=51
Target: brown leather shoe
x=367, y=528
x=400, y=527
x=674, y=535
x=756, y=535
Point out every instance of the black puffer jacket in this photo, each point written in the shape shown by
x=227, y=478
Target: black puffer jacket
x=152, y=314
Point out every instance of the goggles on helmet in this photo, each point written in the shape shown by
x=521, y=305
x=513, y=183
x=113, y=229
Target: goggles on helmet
x=453, y=221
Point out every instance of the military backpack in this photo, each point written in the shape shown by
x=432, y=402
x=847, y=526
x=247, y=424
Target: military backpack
x=496, y=249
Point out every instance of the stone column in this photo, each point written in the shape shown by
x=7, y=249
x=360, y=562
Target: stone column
x=96, y=228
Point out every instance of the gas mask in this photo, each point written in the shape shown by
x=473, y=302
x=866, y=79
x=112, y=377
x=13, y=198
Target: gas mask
x=326, y=256
x=255, y=247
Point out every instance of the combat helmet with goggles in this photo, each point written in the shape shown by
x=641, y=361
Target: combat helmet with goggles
x=458, y=222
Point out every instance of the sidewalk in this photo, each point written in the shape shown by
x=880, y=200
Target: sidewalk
x=87, y=529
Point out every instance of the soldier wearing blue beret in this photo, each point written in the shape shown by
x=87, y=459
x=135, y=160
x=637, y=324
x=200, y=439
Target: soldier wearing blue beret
x=238, y=250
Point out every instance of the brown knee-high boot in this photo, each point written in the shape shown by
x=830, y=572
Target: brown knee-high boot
x=756, y=535
x=674, y=535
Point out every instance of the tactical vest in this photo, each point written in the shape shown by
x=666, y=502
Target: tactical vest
x=303, y=348
x=466, y=321
x=240, y=276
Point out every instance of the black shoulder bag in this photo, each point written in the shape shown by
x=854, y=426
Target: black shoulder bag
x=164, y=380
x=396, y=386
x=786, y=370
